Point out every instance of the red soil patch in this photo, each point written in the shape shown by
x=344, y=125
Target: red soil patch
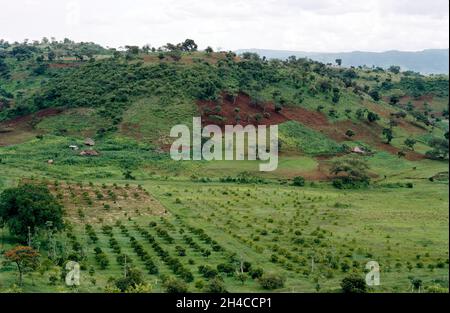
x=21, y=129
x=63, y=65
x=364, y=131
x=19, y=121
x=247, y=112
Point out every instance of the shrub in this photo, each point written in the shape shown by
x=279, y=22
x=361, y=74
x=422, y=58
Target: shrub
x=298, y=181
x=175, y=285
x=216, y=285
x=256, y=273
x=353, y=284
x=271, y=281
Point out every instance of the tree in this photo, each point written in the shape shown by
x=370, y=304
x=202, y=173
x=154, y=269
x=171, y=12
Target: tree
x=338, y=62
x=298, y=181
x=28, y=208
x=409, y=142
x=127, y=174
x=209, y=50
x=133, y=50
x=372, y=117
x=216, y=285
x=350, y=133
x=175, y=55
x=26, y=259
x=394, y=100
x=394, y=69
x=188, y=45
x=387, y=132
x=175, y=285
x=440, y=149
x=350, y=172
x=132, y=279
x=416, y=283
x=353, y=284
x=271, y=281
x=51, y=56
x=360, y=114
x=278, y=107
x=375, y=95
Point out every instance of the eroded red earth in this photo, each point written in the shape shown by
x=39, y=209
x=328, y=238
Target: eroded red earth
x=369, y=133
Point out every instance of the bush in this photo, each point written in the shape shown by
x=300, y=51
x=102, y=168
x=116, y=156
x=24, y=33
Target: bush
x=226, y=268
x=256, y=273
x=353, y=284
x=271, y=281
x=207, y=271
x=216, y=285
x=298, y=181
x=349, y=183
x=175, y=285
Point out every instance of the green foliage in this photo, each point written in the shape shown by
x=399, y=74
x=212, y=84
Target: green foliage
x=30, y=208
x=353, y=284
x=271, y=281
x=298, y=181
x=372, y=117
x=388, y=134
x=175, y=285
x=350, y=172
x=133, y=278
x=440, y=149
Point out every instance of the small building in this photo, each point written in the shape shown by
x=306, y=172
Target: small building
x=89, y=142
x=73, y=147
x=358, y=150
x=50, y=162
x=89, y=153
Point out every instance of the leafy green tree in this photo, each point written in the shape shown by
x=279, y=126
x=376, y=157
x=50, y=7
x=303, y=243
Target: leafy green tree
x=375, y=95
x=216, y=285
x=298, y=181
x=338, y=62
x=388, y=134
x=131, y=279
x=350, y=133
x=350, y=172
x=353, y=284
x=372, y=117
x=440, y=149
x=271, y=281
x=189, y=45
x=410, y=142
x=30, y=207
x=394, y=100
x=394, y=69
x=175, y=285
x=175, y=55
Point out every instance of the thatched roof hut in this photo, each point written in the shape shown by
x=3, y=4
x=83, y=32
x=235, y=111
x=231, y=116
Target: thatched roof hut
x=89, y=153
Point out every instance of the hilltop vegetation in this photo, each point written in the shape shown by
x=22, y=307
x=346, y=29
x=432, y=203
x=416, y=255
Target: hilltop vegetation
x=362, y=175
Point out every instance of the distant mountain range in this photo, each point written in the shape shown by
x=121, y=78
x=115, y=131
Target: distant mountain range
x=430, y=61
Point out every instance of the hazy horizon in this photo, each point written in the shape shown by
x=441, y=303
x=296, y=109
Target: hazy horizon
x=324, y=26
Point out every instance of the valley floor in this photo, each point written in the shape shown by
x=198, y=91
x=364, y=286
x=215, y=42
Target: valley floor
x=313, y=236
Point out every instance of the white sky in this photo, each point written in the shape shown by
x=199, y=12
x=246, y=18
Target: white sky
x=302, y=25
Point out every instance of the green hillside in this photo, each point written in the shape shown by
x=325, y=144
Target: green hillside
x=320, y=217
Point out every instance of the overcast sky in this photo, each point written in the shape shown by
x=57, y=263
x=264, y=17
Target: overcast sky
x=302, y=25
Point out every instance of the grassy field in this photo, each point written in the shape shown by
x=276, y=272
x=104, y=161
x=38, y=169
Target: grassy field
x=201, y=222
x=312, y=236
